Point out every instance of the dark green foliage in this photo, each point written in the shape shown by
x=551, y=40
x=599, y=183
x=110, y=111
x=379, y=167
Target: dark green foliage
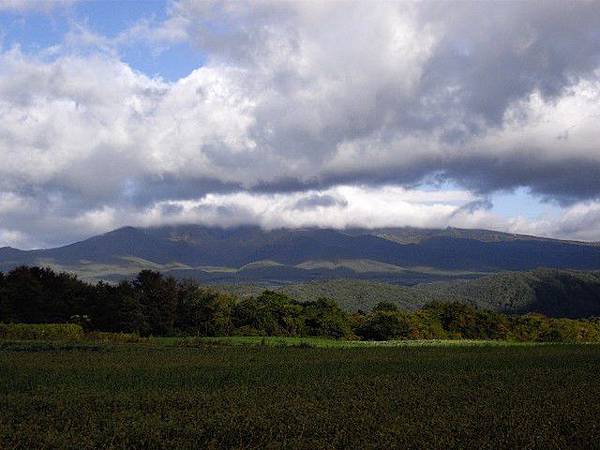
x=385, y=325
x=535, y=327
x=130, y=315
x=385, y=306
x=425, y=324
x=142, y=397
x=350, y=295
x=325, y=318
x=460, y=321
x=154, y=305
x=34, y=295
x=203, y=312
x=554, y=293
x=464, y=321
x=39, y=295
x=158, y=299
x=270, y=313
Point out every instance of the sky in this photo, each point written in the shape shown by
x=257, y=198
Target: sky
x=296, y=114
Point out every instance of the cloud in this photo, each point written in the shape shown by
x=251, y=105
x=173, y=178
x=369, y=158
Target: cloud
x=297, y=104
x=34, y=5
x=30, y=223
x=581, y=221
x=339, y=207
x=319, y=201
x=480, y=94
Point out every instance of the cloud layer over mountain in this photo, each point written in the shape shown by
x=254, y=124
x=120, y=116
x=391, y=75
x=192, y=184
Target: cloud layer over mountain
x=328, y=114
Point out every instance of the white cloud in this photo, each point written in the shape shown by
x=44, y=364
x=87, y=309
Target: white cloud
x=31, y=223
x=345, y=206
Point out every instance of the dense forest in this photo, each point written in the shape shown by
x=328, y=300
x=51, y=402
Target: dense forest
x=152, y=304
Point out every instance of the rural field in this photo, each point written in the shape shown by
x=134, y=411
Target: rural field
x=278, y=393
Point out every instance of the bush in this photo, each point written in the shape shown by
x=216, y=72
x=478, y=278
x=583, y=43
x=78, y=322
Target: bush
x=41, y=331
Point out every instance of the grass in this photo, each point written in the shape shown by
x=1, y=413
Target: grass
x=158, y=395
x=41, y=331
x=315, y=342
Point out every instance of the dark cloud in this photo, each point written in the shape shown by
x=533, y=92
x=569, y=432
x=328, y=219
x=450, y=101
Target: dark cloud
x=473, y=206
x=146, y=191
x=566, y=181
x=494, y=53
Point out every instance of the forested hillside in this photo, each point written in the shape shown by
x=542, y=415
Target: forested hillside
x=350, y=294
x=556, y=293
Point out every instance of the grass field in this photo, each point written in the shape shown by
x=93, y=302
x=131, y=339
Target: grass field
x=160, y=394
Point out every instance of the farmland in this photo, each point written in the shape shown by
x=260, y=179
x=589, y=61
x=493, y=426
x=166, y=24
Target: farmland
x=286, y=393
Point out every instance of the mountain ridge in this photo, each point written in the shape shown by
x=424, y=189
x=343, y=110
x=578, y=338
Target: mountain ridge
x=400, y=255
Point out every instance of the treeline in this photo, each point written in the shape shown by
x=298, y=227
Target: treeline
x=456, y=320
x=153, y=304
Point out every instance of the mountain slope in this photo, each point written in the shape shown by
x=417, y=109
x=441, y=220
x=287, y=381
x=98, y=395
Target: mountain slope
x=402, y=255
x=558, y=293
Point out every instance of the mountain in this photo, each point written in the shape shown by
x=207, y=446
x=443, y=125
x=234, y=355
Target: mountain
x=250, y=254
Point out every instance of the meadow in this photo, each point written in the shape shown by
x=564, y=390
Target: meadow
x=303, y=393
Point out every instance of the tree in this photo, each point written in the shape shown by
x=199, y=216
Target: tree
x=203, y=312
x=425, y=324
x=158, y=297
x=325, y=318
x=385, y=325
x=385, y=306
x=458, y=319
x=270, y=313
x=24, y=295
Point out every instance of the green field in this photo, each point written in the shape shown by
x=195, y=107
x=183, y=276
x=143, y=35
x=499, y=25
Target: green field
x=276, y=394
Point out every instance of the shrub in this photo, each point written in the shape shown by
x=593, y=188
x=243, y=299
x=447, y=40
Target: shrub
x=41, y=331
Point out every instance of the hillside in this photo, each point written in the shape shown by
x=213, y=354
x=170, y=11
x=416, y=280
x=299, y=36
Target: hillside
x=253, y=255
x=555, y=293
x=349, y=294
